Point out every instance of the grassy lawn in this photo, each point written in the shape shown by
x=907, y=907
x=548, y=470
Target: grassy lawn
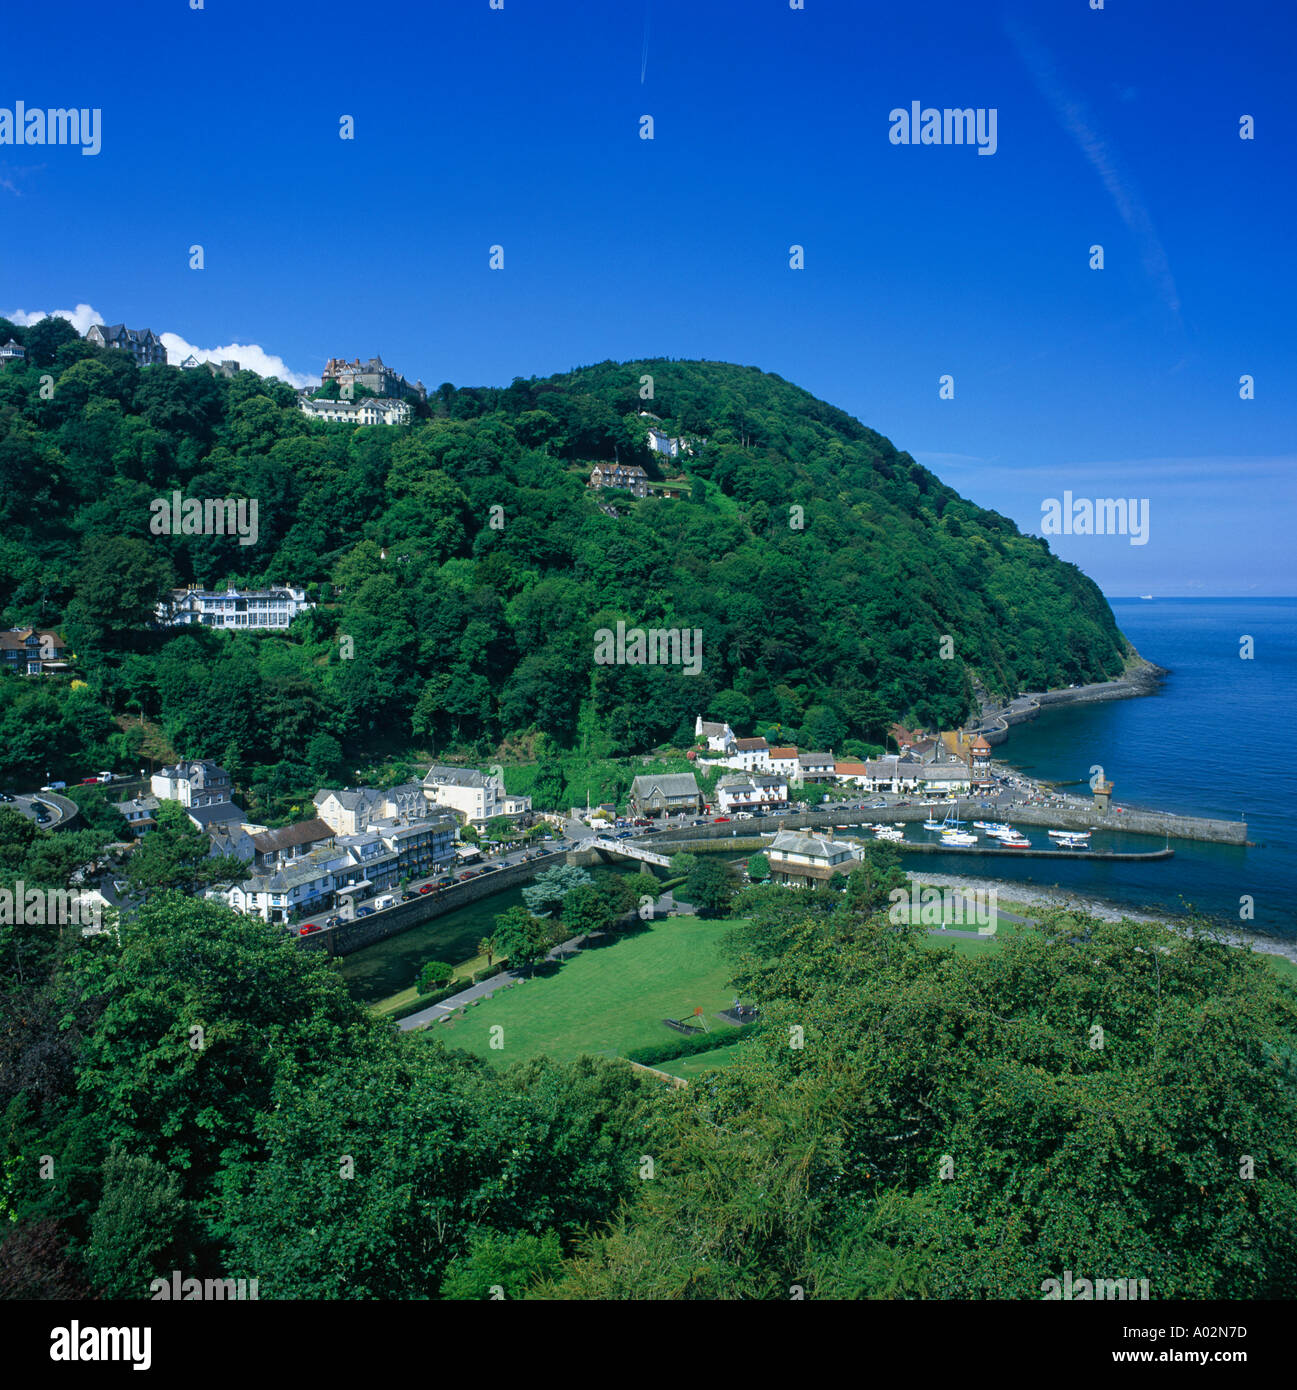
x=607, y=999
x=1287, y=970
x=691, y=1067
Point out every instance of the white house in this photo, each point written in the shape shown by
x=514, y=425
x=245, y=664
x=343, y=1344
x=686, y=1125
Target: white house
x=199, y=782
x=245, y=609
x=893, y=774
x=367, y=410
x=946, y=777
x=472, y=795
x=783, y=760
x=814, y=767
x=719, y=736
x=750, y=791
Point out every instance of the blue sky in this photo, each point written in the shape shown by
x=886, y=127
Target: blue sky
x=520, y=127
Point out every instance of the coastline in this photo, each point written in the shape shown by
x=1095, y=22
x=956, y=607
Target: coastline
x=1139, y=677
x=1015, y=891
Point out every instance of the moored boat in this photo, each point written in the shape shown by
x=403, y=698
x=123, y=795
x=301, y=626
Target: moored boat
x=959, y=838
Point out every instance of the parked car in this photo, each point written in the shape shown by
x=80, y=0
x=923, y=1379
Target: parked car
x=5, y=796
x=720, y=820
x=89, y=781
x=308, y=928
x=641, y=820
x=55, y=787
x=425, y=888
x=625, y=834
x=105, y=777
x=333, y=921
x=364, y=912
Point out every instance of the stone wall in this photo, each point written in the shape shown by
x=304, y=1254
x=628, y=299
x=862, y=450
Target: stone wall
x=392, y=921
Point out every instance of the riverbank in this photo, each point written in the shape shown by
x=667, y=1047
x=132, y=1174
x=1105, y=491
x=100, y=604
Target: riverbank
x=1098, y=908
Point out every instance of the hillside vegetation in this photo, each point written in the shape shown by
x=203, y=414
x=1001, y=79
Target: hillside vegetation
x=463, y=567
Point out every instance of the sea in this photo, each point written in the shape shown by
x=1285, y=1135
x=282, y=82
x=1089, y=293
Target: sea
x=1214, y=741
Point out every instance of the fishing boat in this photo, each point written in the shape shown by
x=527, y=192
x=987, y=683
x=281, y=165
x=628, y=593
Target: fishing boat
x=961, y=839
x=1073, y=842
x=1069, y=834
x=888, y=832
x=1015, y=841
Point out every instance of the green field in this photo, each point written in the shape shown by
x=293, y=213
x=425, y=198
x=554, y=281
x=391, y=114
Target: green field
x=689, y=1068
x=607, y=999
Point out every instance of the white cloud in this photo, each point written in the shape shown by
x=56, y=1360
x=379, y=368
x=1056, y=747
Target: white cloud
x=248, y=355
x=81, y=317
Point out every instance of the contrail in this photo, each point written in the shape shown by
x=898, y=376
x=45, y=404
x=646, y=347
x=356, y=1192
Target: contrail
x=1076, y=120
x=643, y=65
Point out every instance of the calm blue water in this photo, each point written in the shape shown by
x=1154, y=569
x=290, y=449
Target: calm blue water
x=1215, y=742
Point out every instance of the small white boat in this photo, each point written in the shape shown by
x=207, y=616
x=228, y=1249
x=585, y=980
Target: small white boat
x=888, y=833
x=1015, y=841
x=933, y=824
x=1069, y=834
x=958, y=838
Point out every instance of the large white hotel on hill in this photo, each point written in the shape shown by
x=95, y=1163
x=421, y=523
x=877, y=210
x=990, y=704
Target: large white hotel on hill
x=234, y=608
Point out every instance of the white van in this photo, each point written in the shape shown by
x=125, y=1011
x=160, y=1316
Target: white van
x=742, y=815
x=385, y=900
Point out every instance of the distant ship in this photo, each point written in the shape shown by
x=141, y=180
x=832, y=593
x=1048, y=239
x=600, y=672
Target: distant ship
x=1146, y=595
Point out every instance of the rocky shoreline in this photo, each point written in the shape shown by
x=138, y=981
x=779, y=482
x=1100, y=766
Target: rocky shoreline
x=1013, y=891
x=1140, y=677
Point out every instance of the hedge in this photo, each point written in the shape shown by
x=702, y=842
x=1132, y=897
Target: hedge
x=686, y=1046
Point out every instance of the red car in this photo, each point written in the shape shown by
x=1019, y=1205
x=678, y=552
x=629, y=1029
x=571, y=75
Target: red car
x=90, y=781
x=308, y=928
x=426, y=888
x=721, y=820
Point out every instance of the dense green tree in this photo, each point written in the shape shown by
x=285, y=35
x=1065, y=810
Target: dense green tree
x=709, y=886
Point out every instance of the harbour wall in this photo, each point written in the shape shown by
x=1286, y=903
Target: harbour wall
x=1159, y=823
